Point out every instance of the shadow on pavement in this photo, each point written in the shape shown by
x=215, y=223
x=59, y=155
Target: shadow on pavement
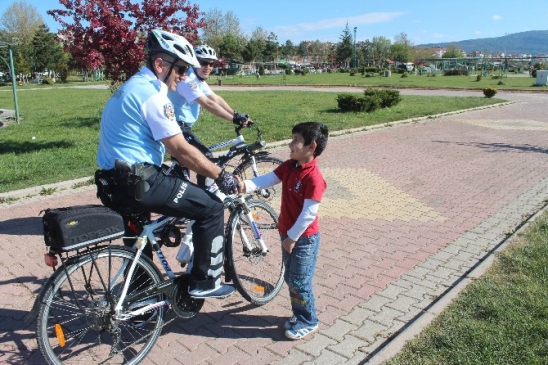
x=22, y=226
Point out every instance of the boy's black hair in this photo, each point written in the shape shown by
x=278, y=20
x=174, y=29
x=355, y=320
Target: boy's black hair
x=313, y=131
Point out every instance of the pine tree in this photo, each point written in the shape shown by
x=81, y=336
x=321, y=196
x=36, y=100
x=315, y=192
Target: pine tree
x=345, y=46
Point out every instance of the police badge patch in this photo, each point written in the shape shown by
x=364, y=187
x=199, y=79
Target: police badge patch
x=193, y=85
x=169, y=111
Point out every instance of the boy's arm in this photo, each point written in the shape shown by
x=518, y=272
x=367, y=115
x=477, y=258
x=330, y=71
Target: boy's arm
x=307, y=216
x=260, y=182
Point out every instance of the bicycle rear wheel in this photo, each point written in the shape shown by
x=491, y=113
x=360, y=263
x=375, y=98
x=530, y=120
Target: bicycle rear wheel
x=264, y=164
x=76, y=323
x=258, y=277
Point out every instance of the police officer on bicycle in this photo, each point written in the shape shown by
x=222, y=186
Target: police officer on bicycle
x=138, y=127
x=194, y=92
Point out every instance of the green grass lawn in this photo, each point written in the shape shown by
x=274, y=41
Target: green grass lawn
x=502, y=318
x=56, y=139
x=511, y=82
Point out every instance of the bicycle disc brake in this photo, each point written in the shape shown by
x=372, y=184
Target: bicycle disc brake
x=183, y=304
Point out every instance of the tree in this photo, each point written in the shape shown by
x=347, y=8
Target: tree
x=112, y=33
x=20, y=21
x=345, y=47
x=46, y=52
x=219, y=25
x=270, y=51
x=252, y=50
x=288, y=50
x=302, y=49
x=401, y=49
x=420, y=54
x=453, y=51
x=402, y=38
x=379, y=50
x=401, y=53
x=230, y=47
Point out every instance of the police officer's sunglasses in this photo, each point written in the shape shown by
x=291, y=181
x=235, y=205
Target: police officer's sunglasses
x=181, y=70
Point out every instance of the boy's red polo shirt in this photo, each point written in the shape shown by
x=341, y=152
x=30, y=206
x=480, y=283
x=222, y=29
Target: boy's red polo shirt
x=299, y=183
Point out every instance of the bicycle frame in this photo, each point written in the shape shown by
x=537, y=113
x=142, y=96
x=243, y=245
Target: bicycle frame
x=230, y=142
x=147, y=237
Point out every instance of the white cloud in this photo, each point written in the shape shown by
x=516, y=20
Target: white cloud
x=496, y=17
x=477, y=32
x=336, y=23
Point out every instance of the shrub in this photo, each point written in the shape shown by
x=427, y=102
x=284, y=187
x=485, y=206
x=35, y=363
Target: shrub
x=455, y=72
x=304, y=71
x=288, y=71
x=371, y=100
x=404, y=74
x=348, y=102
x=489, y=92
x=478, y=78
x=48, y=80
x=387, y=97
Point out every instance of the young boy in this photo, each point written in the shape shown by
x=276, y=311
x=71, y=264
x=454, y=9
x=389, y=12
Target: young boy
x=302, y=189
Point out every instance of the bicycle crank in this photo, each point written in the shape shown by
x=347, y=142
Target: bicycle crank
x=183, y=304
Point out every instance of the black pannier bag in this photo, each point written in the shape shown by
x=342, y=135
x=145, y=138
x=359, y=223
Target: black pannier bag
x=75, y=227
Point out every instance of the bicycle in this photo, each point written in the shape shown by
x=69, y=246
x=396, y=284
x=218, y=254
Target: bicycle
x=88, y=308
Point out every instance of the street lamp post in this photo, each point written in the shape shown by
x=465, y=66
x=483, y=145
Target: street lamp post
x=354, y=54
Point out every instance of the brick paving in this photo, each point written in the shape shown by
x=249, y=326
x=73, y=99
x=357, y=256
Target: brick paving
x=410, y=209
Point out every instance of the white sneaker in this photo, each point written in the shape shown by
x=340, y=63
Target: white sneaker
x=222, y=291
x=300, y=333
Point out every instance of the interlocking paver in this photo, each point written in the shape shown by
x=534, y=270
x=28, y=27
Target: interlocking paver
x=408, y=210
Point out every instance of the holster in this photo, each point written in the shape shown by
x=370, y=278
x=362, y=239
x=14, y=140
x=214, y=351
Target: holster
x=133, y=178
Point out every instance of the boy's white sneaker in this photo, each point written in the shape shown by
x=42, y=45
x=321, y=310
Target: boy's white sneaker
x=294, y=334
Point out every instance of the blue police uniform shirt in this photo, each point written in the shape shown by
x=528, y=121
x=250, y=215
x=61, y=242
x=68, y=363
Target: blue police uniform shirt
x=135, y=120
x=187, y=110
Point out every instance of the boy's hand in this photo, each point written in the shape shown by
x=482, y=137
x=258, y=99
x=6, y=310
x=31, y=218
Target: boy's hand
x=241, y=187
x=288, y=244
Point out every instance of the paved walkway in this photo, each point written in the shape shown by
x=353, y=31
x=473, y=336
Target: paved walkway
x=409, y=210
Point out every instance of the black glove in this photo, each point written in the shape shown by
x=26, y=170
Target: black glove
x=227, y=183
x=239, y=118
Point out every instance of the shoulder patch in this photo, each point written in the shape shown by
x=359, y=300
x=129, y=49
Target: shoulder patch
x=169, y=111
x=193, y=85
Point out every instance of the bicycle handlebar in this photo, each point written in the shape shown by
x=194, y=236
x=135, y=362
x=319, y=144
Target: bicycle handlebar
x=251, y=124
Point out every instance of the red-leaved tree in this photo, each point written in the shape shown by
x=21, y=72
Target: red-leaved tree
x=113, y=33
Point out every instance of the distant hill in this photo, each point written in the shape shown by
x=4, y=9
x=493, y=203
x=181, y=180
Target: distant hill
x=533, y=42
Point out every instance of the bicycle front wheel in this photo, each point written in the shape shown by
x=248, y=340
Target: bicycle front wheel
x=257, y=276
x=263, y=164
x=76, y=322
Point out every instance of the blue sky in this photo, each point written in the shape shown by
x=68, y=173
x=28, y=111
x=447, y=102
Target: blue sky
x=424, y=21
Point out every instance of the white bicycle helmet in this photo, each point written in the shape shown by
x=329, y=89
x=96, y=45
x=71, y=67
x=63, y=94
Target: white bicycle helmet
x=205, y=52
x=173, y=44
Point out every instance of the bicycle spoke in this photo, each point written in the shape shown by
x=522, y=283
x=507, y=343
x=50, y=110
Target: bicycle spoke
x=257, y=275
x=76, y=322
